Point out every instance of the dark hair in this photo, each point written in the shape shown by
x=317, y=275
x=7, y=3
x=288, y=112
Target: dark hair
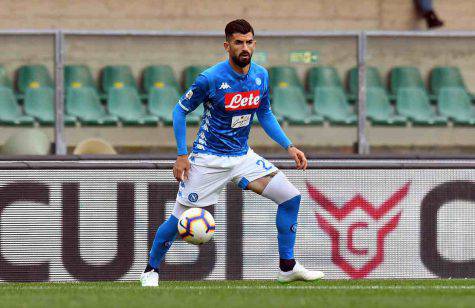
x=237, y=26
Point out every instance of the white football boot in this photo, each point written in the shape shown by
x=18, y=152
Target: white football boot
x=299, y=273
x=149, y=279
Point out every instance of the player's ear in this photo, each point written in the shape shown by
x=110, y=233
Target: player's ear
x=226, y=46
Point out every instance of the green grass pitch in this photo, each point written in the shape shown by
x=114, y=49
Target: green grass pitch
x=226, y=294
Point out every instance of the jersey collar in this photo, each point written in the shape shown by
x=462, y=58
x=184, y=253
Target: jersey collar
x=236, y=74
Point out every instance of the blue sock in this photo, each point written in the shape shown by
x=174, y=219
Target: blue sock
x=163, y=240
x=286, y=222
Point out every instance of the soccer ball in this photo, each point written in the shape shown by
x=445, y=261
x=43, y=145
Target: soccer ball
x=196, y=226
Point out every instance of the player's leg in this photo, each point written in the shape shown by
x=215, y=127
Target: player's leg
x=276, y=187
x=262, y=177
x=164, y=238
x=201, y=189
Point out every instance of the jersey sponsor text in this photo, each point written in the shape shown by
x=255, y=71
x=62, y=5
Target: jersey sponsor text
x=242, y=100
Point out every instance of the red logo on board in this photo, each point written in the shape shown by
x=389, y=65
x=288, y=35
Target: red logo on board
x=242, y=100
x=342, y=231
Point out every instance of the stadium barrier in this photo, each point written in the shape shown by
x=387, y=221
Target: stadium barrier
x=88, y=220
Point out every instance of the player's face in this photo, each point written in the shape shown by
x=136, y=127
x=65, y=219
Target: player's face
x=240, y=48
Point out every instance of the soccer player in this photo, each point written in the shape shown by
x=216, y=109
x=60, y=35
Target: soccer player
x=233, y=92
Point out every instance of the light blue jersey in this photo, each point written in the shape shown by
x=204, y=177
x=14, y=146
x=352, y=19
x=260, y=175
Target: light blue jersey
x=230, y=101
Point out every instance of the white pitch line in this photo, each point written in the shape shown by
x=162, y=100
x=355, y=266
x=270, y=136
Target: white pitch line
x=374, y=287
x=317, y=287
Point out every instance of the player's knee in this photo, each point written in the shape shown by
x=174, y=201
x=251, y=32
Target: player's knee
x=279, y=189
x=292, y=205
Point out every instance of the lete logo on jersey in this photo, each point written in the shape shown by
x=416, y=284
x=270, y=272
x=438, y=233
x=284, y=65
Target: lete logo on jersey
x=242, y=100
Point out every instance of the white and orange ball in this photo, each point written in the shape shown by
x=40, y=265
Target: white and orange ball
x=196, y=226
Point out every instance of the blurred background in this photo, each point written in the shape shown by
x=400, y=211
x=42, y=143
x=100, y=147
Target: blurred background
x=113, y=71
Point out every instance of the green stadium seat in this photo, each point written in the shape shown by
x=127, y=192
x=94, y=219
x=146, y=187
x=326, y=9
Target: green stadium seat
x=414, y=104
x=84, y=103
x=10, y=111
x=379, y=110
x=117, y=76
x=39, y=103
x=33, y=77
x=125, y=103
x=5, y=81
x=284, y=76
x=77, y=76
x=322, y=76
x=373, y=80
x=331, y=103
x=455, y=103
x=406, y=77
x=162, y=101
x=159, y=76
x=290, y=104
x=446, y=76
x=190, y=73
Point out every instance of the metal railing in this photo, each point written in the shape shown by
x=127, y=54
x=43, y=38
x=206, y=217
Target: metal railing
x=60, y=38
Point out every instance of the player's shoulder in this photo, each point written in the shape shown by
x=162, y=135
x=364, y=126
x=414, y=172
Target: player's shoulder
x=214, y=70
x=259, y=70
x=212, y=73
x=207, y=77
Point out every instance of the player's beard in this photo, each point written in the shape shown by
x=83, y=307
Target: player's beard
x=242, y=62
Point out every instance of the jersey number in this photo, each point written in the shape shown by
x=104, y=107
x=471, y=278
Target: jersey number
x=260, y=162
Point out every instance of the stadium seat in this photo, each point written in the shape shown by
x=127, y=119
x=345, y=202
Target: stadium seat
x=290, y=104
x=331, y=103
x=32, y=77
x=162, y=101
x=84, y=103
x=414, y=104
x=190, y=73
x=5, y=81
x=117, y=76
x=379, y=110
x=10, y=111
x=373, y=80
x=323, y=76
x=27, y=142
x=39, y=103
x=455, y=103
x=284, y=76
x=446, y=76
x=405, y=77
x=77, y=76
x=125, y=103
x=159, y=76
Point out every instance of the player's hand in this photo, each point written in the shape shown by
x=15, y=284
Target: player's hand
x=181, y=168
x=298, y=156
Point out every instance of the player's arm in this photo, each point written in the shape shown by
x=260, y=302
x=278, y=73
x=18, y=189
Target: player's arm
x=272, y=128
x=197, y=93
